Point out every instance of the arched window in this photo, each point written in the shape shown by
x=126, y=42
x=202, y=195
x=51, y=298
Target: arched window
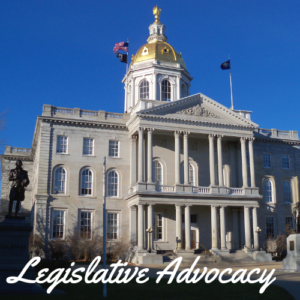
x=113, y=182
x=165, y=91
x=86, y=182
x=268, y=191
x=183, y=90
x=144, y=89
x=287, y=192
x=59, y=180
x=157, y=173
x=191, y=174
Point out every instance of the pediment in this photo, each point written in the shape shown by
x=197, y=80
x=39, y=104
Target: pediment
x=198, y=108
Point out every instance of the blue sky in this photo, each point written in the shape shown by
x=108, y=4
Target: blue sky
x=60, y=53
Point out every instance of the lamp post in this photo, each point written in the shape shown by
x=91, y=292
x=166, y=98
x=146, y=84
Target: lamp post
x=149, y=231
x=258, y=230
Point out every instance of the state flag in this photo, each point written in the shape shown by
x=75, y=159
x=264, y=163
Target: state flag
x=225, y=65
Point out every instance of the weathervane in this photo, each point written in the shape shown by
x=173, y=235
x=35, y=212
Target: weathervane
x=156, y=13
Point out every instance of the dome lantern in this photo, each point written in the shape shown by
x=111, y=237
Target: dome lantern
x=156, y=30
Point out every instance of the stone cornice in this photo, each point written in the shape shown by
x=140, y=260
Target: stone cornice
x=16, y=157
x=209, y=123
x=291, y=142
x=84, y=123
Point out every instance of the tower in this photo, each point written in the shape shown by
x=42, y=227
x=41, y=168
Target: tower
x=157, y=72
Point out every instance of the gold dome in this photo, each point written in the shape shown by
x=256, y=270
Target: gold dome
x=158, y=50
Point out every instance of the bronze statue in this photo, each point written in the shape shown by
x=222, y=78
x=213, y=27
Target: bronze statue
x=296, y=214
x=20, y=181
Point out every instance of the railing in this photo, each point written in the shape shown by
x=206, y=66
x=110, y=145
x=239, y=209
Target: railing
x=235, y=191
x=19, y=150
x=89, y=113
x=63, y=111
x=201, y=190
x=265, y=132
x=164, y=188
x=115, y=116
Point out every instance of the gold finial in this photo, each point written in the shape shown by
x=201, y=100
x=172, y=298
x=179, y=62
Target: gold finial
x=156, y=13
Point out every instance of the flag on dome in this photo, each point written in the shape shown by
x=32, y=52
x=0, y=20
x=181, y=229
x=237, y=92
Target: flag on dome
x=122, y=57
x=121, y=46
x=225, y=65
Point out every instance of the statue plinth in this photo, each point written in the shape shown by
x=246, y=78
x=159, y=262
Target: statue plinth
x=292, y=260
x=14, y=242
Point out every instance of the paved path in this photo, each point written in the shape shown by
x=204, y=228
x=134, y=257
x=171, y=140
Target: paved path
x=288, y=280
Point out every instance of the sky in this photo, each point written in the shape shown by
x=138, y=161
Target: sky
x=61, y=53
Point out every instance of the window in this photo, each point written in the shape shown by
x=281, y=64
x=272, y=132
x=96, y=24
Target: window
x=15, y=206
x=59, y=180
x=289, y=223
x=86, y=182
x=191, y=174
x=157, y=173
x=144, y=89
x=285, y=161
x=270, y=227
x=86, y=224
x=113, y=181
x=183, y=90
x=165, y=91
x=113, y=149
x=267, y=160
x=287, y=192
x=158, y=227
x=58, y=224
x=268, y=191
x=112, y=226
x=62, y=144
x=88, y=146
x=193, y=218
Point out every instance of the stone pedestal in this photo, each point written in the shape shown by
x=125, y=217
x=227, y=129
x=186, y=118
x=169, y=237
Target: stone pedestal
x=14, y=241
x=147, y=258
x=292, y=260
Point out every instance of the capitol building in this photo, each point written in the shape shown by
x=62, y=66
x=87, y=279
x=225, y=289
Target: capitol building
x=201, y=175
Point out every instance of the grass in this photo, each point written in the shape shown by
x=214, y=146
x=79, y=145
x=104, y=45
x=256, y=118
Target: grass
x=163, y=291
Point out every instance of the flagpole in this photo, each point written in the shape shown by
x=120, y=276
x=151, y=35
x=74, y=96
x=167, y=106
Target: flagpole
x=104, y=223
x=128, y=105
x=231, y=85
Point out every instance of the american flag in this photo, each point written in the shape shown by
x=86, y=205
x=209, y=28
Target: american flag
x=121, y=46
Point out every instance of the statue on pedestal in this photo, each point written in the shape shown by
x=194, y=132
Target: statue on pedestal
x=20, y=181
x=296, y=214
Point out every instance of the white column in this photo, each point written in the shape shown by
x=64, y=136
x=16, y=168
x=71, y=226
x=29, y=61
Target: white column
x=178, y=87
x=177, y=157
x=132, y=92
x=141, y=226
x=220, y=160
x=186, y=157
x=150, y=222
x=133, y=161
x=133, y=227
x=178, y=227
x=255, y=234
x=187, y=222
x=140, y=155
x=247, y=227
x=154, y=86
x=251, y=158
x=214, y=228
x=149, y=162
x=211, y=159
x=223, y=228
x=244, y=162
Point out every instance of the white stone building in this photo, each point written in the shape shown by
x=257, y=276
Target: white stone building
x=200, y=174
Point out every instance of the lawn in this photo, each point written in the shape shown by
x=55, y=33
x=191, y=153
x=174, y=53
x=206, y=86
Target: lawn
x=163, y=291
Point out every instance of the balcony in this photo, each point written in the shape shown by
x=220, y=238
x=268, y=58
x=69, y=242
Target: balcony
x=196, y=190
